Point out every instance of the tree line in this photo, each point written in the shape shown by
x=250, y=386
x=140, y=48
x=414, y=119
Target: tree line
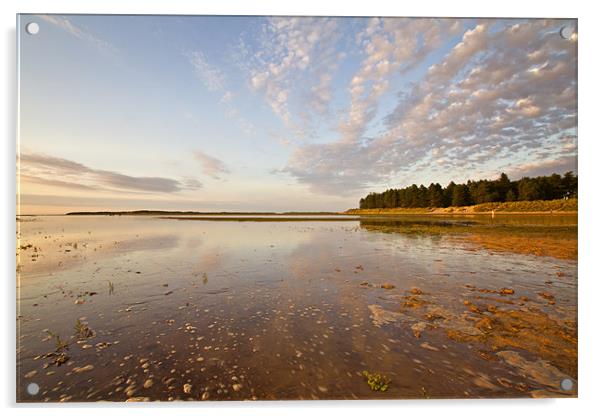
x=475, y=192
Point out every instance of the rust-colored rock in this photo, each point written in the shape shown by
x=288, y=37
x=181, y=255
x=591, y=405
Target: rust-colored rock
x=484, y=324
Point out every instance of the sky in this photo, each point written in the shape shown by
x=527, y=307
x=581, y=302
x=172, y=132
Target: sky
x=227, y=113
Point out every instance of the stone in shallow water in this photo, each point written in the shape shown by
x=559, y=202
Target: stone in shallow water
x=382, y=317
x=88, y=367
x=428, y=346
x=540, y=371
x=418, y=328
x=138, y=399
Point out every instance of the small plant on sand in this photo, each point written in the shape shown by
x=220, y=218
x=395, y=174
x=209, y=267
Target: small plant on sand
x=60, y=345
x=376, y=381
x=82, y=330
x=111, y=287
x=59, y=355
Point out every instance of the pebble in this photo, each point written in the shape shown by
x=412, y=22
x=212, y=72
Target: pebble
x=187, y=388
x=88, y=367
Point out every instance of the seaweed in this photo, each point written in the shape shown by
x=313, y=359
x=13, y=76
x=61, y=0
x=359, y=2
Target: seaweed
x=377, y=381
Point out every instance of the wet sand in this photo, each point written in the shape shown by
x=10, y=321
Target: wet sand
x=144, y=308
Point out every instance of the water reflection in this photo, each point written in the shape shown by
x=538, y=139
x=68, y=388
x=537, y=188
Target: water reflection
x=279, y=310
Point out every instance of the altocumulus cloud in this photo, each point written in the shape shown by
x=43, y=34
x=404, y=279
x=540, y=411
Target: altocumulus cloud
x=55, y=171
x=503, y=97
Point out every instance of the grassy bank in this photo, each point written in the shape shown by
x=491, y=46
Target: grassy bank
x=556, y=206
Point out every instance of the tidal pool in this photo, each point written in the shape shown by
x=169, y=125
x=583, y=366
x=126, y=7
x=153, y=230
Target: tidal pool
x=147, y=308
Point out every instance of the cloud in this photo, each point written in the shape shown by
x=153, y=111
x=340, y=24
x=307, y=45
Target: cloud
x=293, y=68
x=79, y=32
x=209, y=75
x=505, y=93
x=545, y=167
x=215, y=81
x=43, y=169
x=210, y=165
x=391, y=46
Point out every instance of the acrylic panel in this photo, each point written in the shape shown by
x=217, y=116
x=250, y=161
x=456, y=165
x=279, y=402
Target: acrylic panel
x=295, y=208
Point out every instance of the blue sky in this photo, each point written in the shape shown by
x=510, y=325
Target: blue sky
x=275, y=114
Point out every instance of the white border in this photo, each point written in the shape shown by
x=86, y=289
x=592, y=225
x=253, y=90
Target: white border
x=590, y=137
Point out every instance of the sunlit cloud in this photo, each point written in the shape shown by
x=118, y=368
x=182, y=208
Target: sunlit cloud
x=55, y=171
x=479, y=105
x=210, y=165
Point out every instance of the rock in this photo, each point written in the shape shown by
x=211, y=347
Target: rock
x=387, y=286
x=416, y=291
x=483, y=381
x=540, y=371
x=187, y=388
x=544, y=394
x=382, y=317
x=546, y=295
x=428, y=346
x=138, y=399
x=474, y=308
x=487, y=356
x=148, y=383
x=484, y=324
x=436, y=313
x=418, y=328
x=504, y=382
x=31, y=374
x=506, y=291
x=236, y=387
x=205, y=395
x=413, y=301
x=85, y=368
x=79, y=301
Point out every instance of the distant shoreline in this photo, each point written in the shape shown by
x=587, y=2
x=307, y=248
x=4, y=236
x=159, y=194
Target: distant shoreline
x=198, y=213
x=551, y=207
x=266, y=218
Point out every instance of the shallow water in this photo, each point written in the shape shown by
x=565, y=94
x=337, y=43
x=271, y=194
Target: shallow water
x=274, y=310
